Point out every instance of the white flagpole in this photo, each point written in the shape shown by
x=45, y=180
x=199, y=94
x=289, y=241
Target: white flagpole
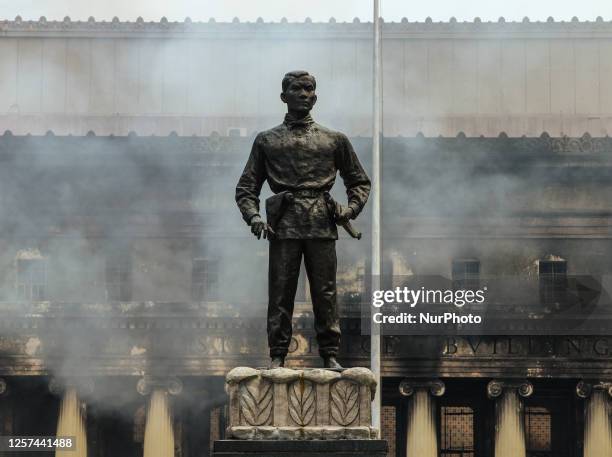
x=376, y=207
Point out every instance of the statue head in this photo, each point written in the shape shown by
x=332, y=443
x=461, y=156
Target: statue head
x=299, y=92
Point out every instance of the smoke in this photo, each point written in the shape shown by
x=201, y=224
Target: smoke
x=168, y=199
x=82, y=201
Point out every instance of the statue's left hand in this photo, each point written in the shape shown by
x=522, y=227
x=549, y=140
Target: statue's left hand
x=344, y=214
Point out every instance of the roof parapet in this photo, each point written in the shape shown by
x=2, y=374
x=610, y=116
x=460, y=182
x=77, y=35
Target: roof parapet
x=236, y=20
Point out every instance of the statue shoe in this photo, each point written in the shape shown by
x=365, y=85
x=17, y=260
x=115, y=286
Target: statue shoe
x=331, y=362
x=277, y=362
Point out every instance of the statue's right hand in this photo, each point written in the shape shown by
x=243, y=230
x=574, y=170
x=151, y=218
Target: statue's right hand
x=258, y=226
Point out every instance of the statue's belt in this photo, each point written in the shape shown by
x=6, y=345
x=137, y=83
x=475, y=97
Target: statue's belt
x=276, y=205
x=313, y=193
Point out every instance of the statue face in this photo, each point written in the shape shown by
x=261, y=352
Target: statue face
x=300, y=96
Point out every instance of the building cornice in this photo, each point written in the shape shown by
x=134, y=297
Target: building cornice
x=476, y=29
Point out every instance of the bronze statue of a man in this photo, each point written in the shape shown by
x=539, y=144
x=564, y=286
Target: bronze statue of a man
x=300, y=160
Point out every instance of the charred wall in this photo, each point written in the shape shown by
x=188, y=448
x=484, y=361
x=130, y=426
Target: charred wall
x=78, y=201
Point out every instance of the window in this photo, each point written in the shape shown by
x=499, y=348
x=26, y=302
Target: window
x=388, y=428
x=553, y=281
x=32, y=279
x=550, y=421
x=205, y=279
x=456, y=431
x=119, y=276
x=466, y=274
x=538, y=431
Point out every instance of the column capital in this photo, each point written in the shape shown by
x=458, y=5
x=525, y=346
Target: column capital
x=84, y=386
x=585, y=388
x=496, y=387
x=171, y=384
x=436, y=387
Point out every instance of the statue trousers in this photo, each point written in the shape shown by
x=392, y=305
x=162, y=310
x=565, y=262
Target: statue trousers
x=284, y=269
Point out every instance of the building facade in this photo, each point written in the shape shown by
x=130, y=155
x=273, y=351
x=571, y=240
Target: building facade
x=130, y=285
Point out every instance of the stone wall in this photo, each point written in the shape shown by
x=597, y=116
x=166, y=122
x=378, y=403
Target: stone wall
x=439, y=78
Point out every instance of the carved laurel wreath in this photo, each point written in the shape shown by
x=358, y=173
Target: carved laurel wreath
x=256, y=402
x=344, y=402
x=302, y=402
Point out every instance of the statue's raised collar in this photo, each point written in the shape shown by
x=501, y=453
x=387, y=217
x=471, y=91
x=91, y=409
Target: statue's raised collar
x=292, y=122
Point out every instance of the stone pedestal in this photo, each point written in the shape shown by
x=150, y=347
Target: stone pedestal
x=309, y=404
x=300, y=448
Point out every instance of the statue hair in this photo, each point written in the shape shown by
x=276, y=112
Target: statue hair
x=293, y=75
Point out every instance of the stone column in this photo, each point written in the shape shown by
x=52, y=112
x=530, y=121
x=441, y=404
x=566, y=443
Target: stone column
x=597, y=414
x=509, y=418
x=159, y=430
x=421, y=431
x=72, y=421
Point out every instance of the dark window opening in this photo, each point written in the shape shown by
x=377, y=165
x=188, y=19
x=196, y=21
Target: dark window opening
x=553, y=281
x=32, y=279
x=466, y=274
x=464, y=420
x=388, y=428
x=205, y=279
x=34, y=410
x=119, y=277
x=457, y=431
x=551, y=421
x=538, y=435
x=218, y=423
